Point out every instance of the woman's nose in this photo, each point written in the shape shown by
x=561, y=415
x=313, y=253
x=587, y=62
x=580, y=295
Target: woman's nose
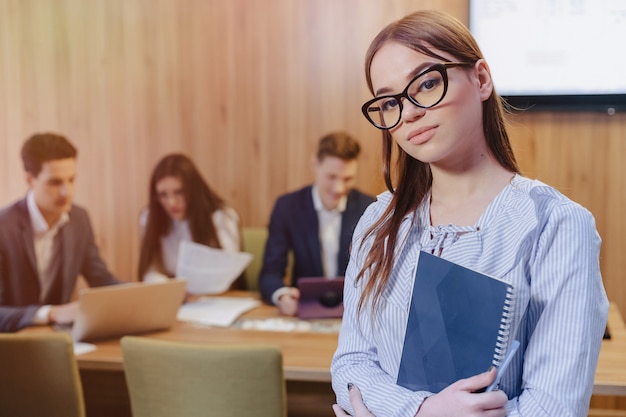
x=410, y=111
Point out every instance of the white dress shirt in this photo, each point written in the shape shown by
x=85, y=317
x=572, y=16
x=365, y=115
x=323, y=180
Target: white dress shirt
x=329, y=231
x=43, y=240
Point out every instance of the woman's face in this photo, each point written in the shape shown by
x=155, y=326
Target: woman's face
x=450, y=134
x=172, y=198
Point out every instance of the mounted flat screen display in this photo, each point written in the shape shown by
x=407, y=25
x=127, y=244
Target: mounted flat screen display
x=555, y=54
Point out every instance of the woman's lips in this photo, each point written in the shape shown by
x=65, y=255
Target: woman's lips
x=421, y=135
x=176, y=213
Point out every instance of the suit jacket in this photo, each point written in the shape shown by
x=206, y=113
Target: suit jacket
x=294, y=227
x=19, y=278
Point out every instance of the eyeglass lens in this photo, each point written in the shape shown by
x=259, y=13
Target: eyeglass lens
x=424, y=91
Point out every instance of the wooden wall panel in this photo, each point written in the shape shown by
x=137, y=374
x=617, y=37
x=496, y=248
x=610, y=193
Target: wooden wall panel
x=581, y=155
x=246, y=87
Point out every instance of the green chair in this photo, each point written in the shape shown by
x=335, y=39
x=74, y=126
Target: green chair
x=39, y=376
x=168, y=379
x=254, y=242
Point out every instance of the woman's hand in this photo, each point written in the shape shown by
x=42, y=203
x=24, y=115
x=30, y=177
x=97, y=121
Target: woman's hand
x=461, y=399
x=356, y=400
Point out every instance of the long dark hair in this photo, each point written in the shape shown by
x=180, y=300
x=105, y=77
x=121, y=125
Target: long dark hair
x=422, y=31
x=201, y=202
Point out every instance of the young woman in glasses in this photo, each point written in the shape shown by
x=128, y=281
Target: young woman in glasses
x=455, y=191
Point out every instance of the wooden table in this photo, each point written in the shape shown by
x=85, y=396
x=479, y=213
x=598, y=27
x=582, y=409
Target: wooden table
x=306, y=363
x=609, y=388
x=306, y=355
x=306, y=359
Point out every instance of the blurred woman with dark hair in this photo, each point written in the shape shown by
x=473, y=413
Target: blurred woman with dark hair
x=182, y=207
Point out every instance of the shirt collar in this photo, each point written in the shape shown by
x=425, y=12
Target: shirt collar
x=37, y=220
x=319, y=206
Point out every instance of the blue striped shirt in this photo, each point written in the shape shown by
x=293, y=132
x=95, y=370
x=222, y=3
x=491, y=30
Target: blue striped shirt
x=530, y=235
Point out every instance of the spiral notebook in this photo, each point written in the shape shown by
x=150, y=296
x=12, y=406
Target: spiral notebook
x=458, y=325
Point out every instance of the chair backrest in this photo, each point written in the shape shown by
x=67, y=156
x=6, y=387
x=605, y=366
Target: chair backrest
x=39, y=376
x=254, y=242
x=167, y=379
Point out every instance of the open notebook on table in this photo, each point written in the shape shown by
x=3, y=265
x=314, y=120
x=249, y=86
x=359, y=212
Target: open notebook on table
x=216, y=310
x=458, y=325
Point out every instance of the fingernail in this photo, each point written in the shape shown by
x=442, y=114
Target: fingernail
x=350, y=386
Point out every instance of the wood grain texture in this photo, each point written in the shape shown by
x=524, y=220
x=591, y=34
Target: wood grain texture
x=245, y=87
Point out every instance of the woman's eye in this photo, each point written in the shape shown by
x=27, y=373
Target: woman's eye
x=388, y=105
x=429, y=84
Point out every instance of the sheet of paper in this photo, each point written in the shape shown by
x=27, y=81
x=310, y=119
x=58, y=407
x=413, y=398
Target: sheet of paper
x=82, y=347
x=216, y=311
x=209, y=270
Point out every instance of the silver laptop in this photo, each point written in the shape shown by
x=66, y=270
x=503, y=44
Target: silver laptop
x=130, y=308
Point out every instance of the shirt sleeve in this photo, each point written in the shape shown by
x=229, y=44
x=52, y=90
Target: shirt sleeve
x=42, y=316
x=275, y=255
x=153, y=275
x=356, y=359
x=568, y=309
x=227, y=226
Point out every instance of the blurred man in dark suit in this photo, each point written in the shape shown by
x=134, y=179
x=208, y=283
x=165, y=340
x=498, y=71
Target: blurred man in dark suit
x=46, y=242
x=315, y=223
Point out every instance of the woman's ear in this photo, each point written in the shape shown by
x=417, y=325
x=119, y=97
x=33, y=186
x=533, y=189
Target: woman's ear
x=483, y=77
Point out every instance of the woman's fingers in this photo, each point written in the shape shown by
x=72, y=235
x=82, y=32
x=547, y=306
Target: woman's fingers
x=356, y=400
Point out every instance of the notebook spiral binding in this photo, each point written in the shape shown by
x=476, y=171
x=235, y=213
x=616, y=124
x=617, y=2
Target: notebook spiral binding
x=505, y=328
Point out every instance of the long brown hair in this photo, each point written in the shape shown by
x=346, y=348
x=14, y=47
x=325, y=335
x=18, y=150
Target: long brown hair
x=422, y=31
x=201, y=202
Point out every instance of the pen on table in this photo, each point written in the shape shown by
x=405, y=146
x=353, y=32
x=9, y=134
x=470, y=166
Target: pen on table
x=505, y=364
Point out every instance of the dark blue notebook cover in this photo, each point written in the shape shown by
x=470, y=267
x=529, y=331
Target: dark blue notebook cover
x=457, y=327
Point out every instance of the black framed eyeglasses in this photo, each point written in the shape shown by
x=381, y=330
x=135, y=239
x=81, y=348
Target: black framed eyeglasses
x=426, y=90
